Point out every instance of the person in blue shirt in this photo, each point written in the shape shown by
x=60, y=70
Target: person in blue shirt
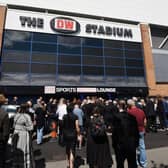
x=79, y=113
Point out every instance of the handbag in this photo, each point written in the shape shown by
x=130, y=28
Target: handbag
x=14, y=136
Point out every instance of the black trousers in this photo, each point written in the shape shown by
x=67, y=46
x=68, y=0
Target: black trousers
x=151, y=124
x=2, y=154
x=60, y=139
x=125, y=151
x=162, y=120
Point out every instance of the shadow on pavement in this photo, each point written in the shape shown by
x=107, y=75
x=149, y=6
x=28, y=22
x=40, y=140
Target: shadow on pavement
x=158, y=165
x=39, y=162
x=79, y=161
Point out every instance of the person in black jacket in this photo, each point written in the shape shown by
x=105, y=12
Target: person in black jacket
x=71, y=130
x=125, y=137
x=40, y=113
x=97, y=151
x=4, y=131
x=151, y=116
x=161, y=112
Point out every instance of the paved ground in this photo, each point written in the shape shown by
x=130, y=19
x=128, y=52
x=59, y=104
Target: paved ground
x=158, y=155
x=51, y=155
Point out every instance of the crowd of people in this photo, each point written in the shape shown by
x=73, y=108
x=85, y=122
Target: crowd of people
x=100, y=122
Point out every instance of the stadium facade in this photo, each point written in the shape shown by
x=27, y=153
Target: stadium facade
x=48, y=49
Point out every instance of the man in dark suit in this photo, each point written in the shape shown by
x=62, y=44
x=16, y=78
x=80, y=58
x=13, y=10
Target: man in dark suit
x=125, y=137
x=4, y=132
x=150, y=115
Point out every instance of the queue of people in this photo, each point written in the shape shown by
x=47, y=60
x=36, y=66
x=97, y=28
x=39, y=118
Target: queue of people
x=99, y=122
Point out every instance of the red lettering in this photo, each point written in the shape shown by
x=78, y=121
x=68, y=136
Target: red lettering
x=59, y=24
x=64, y=24
x=69, y=24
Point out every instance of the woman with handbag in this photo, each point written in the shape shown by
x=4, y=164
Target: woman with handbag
x=23, y=152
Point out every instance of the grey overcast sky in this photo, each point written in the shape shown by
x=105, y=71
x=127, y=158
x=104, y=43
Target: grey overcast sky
x=148, y=11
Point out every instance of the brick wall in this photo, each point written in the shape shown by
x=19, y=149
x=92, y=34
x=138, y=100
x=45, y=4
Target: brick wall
x=2, y=22
x=154, y=89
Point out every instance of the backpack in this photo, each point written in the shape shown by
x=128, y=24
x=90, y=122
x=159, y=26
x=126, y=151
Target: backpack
x=98, y=127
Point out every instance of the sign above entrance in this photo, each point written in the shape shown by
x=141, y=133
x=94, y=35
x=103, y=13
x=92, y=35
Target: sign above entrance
x=76, y=26
x=49, y=89
x=65, y=25
x=55, y=89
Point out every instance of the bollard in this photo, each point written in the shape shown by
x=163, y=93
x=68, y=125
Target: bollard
x=54, y=130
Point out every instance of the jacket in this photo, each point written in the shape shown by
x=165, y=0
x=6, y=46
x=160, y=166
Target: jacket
x=4, y=126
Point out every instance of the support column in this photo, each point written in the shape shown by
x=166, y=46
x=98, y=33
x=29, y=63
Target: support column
x=2, y=22
x=148, y=59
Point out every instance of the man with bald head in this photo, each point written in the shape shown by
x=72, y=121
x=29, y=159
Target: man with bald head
x=141, y=120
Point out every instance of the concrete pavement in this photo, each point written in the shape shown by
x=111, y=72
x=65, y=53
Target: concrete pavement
x=158, y=155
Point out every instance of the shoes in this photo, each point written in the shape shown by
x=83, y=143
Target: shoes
x=162, y=129
x=39, y=143
x=78, y=148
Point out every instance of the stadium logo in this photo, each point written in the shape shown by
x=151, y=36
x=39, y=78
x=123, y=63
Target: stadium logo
x=65, y=25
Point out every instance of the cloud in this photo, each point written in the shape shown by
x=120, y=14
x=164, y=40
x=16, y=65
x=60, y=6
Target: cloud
x=12, y=36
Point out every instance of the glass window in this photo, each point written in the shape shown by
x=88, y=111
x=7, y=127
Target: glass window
x=113, y=44
x=135, y=72
x=158, y=34
x=69, y=40
x=92, y=51
x=92, y=42
x=115, y=72
x=75, y=56
x=67, y=49
x=134, y=63
x=44, y=47
x=43, y=68
x=15, y=45
x=113, y=52
x=68, y=59
x=114, y=61
x=17, y=56
x=90, y=70
x=165, y=47
x=90, y=60
x=133, y=54
x=15, y=67
x=43, y=57
x=67, y=70
x=132, y=46
x=11, y=35
x=42, y=37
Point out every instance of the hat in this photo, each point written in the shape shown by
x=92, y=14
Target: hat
x=2, y=99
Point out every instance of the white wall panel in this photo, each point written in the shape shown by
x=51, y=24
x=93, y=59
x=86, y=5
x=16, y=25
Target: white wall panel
x=13, y=22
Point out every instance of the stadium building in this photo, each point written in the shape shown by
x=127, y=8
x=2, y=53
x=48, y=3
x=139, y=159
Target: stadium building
x=80, y=48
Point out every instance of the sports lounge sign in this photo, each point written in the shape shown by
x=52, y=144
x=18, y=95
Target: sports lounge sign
x=54, y=89
x=50, y=23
